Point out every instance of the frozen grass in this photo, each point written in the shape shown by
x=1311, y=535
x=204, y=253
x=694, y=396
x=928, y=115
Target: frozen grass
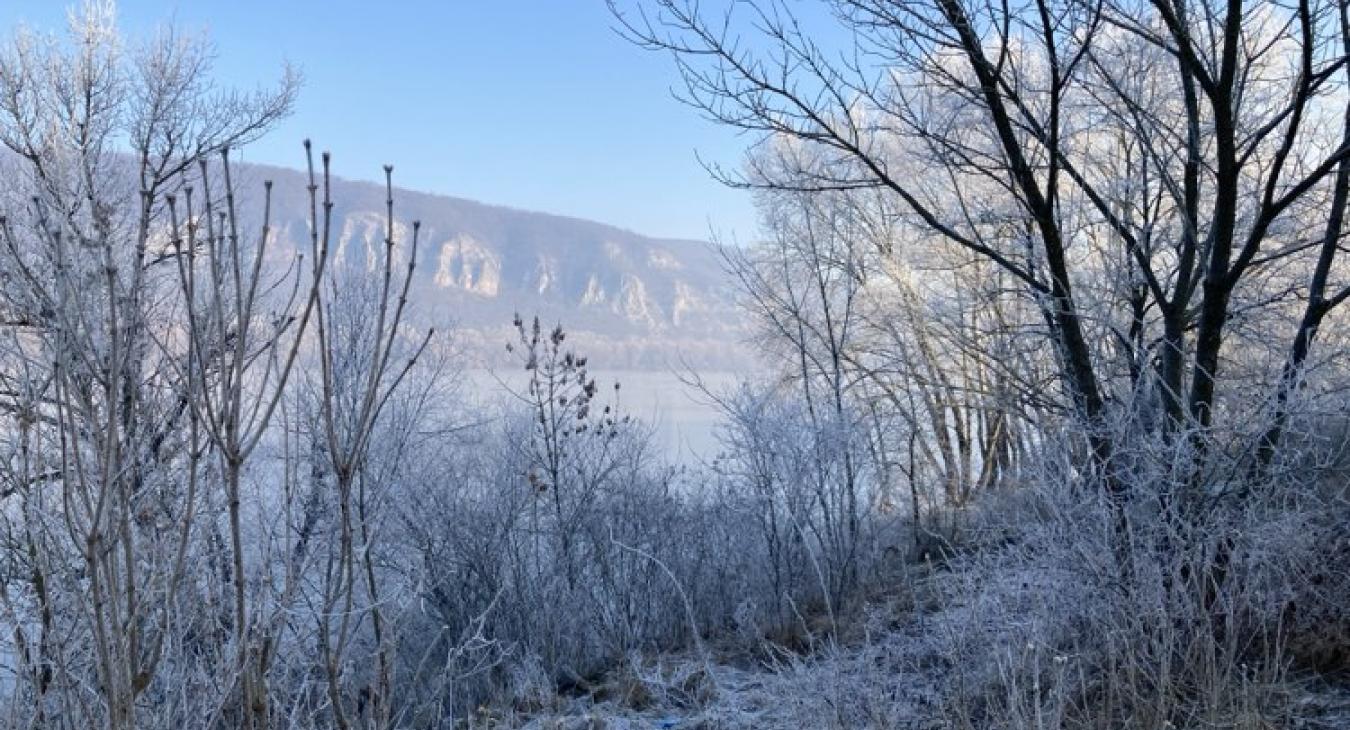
x=1032, y=625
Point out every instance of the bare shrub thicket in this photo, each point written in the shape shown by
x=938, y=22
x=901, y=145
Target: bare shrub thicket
x=1079, y=261
x=187, y=524
x=242, y=489
x=1053, y=436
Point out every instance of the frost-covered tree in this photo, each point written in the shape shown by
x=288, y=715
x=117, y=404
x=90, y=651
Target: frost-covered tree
x=1152, y=163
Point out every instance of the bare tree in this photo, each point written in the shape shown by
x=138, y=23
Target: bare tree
x=93, y=342
x=978, y=119
x=356, y=343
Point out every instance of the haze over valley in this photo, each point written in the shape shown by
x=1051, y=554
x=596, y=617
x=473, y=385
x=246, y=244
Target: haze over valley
x=648, y=312
x=1019, y=401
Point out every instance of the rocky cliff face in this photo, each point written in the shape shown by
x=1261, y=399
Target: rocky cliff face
x=629, y=301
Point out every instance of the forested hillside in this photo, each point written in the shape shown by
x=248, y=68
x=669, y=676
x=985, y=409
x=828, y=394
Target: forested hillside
x=1046, y=427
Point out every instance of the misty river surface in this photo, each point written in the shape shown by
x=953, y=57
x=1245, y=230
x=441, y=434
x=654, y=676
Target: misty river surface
x=684, y=420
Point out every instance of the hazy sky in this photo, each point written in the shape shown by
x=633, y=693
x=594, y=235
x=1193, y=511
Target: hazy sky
x=535, y=104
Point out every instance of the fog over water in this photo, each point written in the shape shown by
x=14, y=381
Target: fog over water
x=684, y=419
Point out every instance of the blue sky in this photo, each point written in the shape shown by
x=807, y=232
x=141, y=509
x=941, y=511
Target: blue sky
x=535, y=104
